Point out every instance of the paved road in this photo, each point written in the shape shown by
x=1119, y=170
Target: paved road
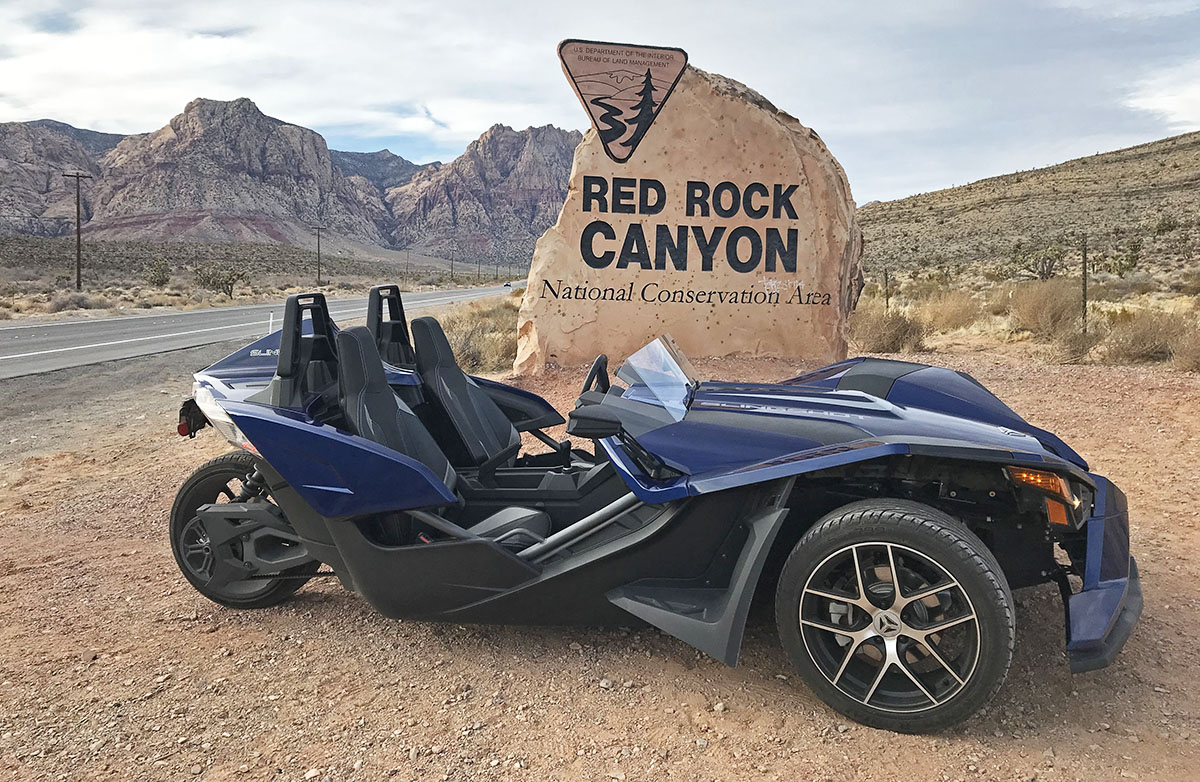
x=44, y=347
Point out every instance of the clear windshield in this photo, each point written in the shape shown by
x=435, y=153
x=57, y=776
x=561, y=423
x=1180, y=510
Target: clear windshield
x=662, y=371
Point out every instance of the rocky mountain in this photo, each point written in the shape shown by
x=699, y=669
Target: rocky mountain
x=226, y=171
x=34, y=197
x=222, y=171
x=1139, y=207
x=382, y=169
x=501, y=194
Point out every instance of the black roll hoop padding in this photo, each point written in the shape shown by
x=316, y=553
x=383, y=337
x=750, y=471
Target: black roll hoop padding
x=594, y=422
x=291, y=334
x=598, y=375
x=487, y=470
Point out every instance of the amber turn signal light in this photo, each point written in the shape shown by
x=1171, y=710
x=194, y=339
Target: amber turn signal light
x=1050, y=483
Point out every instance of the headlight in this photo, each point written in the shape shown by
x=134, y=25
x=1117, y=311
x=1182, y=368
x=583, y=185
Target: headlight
x=217, y=416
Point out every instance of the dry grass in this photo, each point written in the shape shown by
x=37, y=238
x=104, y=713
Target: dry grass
x=1047, y=309
x=1139, y=337
x=1186, y=352
x=948, y=311
x=483, y=334
x=875, y=331
x=77, y=301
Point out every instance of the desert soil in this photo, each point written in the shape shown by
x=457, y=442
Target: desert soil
x=112, y=667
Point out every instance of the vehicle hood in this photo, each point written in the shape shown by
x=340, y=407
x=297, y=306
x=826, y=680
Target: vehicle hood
x=729, y=425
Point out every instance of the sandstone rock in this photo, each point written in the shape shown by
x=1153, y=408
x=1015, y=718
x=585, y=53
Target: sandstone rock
x=711, y=130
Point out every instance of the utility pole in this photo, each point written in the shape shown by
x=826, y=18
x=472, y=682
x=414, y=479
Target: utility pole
x=452, y=262
x=407, y=258
x=78, y=175
x=318, y=229
x=1083, y=247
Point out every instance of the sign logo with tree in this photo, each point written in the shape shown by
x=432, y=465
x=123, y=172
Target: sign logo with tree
x=622, y=86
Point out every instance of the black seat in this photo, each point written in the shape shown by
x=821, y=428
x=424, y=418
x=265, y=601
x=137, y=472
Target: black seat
x=386, y=321
x=479, y=427
x=373, y=411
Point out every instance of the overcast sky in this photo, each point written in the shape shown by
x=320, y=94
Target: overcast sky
x=910, y=96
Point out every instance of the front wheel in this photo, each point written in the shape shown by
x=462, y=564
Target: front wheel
x=896, y=615
x=224, y=479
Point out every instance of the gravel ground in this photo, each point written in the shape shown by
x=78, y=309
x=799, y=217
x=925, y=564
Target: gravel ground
x=112, y=667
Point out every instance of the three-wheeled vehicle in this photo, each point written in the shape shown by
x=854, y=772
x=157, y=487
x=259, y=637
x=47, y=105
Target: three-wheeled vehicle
x=887, y=507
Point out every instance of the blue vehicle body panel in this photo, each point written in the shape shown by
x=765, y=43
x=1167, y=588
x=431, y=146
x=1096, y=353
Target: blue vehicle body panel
x=1102, y=614
x=257, y=362
x=941, y=390
x=335, y=472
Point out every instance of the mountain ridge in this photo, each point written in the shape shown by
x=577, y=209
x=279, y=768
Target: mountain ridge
x=224, y=171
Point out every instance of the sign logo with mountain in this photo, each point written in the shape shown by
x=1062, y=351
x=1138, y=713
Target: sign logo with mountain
x=622, y=86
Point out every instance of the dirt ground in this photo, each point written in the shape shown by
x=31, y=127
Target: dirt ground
x=112, y=667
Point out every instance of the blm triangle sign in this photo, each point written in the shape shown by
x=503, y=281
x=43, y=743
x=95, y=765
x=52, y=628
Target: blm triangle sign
x=622, y=86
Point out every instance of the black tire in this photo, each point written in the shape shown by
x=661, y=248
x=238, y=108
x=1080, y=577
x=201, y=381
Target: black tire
x=955, y=606
x=220, y=480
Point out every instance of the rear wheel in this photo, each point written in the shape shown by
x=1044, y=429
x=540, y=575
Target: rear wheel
x=897, y=615
x=224, y=479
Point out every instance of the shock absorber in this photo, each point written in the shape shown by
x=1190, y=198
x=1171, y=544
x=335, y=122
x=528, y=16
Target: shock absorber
x=253, y=486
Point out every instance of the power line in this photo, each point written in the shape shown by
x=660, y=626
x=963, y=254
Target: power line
x=77, y=176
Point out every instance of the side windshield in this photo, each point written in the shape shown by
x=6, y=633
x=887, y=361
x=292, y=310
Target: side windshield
x=662, y=373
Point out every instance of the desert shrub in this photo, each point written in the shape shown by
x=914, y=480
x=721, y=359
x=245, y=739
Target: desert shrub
x=919, y=290
x=1075, y=347
x=219, y=277
x=1166, y=224
x=5, y=313
x=157, y=272
x=1045, y=308
x=948, y=311
x=1138, y=337
x=76, y=300
x=483, y=335
x=1119, y=288
x=1189, y=283
x=876, y=331
x=1000, y=301
x=1186, y=350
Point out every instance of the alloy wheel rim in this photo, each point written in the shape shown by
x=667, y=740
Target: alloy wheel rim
x=888, y=626
x=196, y=549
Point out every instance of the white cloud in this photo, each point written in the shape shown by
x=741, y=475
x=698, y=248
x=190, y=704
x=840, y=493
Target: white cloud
x=1173, y=94
x=907, y=95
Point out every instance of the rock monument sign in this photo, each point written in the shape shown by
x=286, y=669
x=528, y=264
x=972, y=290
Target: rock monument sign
x=697, y=209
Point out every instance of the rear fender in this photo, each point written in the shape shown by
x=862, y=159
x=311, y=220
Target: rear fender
x=335, y=472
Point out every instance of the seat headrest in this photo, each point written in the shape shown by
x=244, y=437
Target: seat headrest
x=432, y=347
x=360, y=364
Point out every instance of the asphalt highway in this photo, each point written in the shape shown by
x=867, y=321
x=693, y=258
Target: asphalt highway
x=46, y=346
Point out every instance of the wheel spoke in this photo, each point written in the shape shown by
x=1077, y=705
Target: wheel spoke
x=894, y=577
x=854, y=601
x=913, y=678
x=924, y=632
x=936, y=653
x=829, y=628
x=858, y=575
x=924, y=593
x=883, y=669
x=856, y=640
